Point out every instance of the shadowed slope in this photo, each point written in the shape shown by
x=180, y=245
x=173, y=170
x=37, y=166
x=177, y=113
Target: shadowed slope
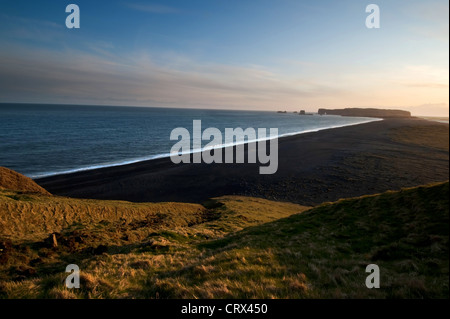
x=323, y=253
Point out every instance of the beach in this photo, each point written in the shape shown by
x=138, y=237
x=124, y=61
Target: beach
x=313, y=168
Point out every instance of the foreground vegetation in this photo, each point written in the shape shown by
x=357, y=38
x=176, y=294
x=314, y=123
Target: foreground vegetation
x=229, y=247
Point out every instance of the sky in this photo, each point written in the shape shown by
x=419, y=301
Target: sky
x=228, y=54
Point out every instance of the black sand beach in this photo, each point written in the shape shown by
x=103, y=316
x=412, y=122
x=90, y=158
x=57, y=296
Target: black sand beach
x=313, y=168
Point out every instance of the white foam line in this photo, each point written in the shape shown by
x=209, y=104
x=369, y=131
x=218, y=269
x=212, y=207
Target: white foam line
x=167, y=155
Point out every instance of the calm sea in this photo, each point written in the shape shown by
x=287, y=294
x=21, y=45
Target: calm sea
x=43, y=140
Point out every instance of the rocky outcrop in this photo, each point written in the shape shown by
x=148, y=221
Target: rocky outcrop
x=371, y=112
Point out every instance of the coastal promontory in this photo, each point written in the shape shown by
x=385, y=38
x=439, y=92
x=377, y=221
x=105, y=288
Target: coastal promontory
x=366, y=112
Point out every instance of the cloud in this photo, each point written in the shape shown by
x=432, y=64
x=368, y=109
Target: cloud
x=28, y=21
x=78, y=77
x=152, y=8
x=428, y=85
x=430, y=109
x=168, y=80
x=19, y=28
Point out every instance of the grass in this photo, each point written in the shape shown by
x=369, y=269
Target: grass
x=431, y=136
x=11, y=180
x=25, y=217
x=230, y=247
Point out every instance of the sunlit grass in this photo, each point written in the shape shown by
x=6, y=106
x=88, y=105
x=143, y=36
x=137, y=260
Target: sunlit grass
x=233, y=247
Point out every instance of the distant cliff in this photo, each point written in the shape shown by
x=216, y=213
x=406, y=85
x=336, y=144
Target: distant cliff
x=366, y=112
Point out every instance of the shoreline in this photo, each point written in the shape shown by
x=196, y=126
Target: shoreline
x=167, y=155
x=313, y=168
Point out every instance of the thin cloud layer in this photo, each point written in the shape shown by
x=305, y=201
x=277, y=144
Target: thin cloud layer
x=79, y=77
x=203, y=60
x=152, y=8
x=140, y=81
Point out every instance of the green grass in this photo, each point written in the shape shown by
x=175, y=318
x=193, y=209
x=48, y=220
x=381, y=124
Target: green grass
x=232, y=247
x=406, y=233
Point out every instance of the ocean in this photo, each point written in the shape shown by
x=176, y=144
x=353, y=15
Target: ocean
x=43, y=140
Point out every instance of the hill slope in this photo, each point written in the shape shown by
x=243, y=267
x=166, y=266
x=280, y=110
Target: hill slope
x=234, y=247
x=324, y=251
x=12, y=180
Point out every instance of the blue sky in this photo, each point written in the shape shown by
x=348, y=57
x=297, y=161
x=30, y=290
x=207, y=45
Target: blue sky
x=265, y=55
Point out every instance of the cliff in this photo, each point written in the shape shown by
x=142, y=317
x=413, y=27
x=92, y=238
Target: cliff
x=366, y=112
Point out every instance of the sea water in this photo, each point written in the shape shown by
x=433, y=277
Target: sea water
x=42, y=140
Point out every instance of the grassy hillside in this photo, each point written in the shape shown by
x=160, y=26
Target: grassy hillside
x=32, y=217
x=12, y=180
x=323, y=252
x=230, y=247
x=128, y=235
